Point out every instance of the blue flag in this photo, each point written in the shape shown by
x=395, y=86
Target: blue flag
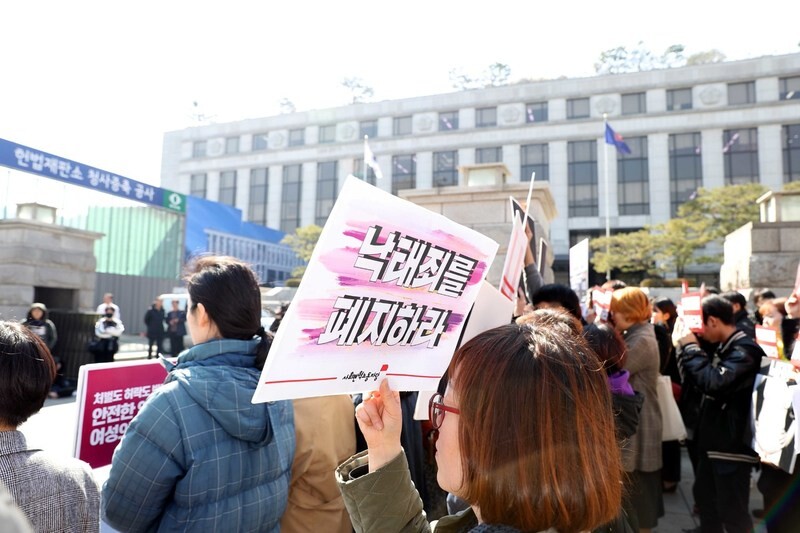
x=612, y=137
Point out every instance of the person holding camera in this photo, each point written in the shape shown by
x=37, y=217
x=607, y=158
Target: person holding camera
x=107, y=329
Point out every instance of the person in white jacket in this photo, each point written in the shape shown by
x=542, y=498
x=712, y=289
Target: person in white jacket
x=107, y=329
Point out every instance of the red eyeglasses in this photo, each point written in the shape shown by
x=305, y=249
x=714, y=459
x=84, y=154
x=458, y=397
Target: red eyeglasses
x=436, y=410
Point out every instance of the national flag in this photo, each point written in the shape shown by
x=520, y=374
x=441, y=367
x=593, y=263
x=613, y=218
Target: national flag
x=371, y=161
x=612, y=137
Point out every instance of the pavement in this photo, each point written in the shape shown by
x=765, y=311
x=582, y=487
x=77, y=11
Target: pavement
x=53, y=429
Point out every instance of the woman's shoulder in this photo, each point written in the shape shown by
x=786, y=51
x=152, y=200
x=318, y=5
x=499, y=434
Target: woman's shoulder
x=65, y=469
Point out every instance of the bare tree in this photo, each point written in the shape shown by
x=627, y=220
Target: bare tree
x=708, y=56
x=495, y=75
x=359, y=90
x=287, y=106
x=638, y=59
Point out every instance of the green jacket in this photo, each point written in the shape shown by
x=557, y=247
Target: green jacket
x=386, y=500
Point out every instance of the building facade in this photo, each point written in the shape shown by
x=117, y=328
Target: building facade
x=690, y=127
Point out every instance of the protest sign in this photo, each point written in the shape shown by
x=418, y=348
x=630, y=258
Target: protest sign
x=774, y=428
x=602, y=302
x=542, y=257
x=515, y=260
x=523, y=216
x=387, y=289
x=579, y=269
x=109, y=396
x=691, y=305
x=491, y=310
x=779, y=369
x=767, y=338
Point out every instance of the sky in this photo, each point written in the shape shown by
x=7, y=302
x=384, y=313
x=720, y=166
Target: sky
x=101, y=82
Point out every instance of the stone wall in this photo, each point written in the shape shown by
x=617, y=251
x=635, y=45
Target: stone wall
x=36, y=254
x=486, y=209
x=762, y=255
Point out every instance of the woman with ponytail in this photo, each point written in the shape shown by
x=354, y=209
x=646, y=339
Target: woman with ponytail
x=199, y=456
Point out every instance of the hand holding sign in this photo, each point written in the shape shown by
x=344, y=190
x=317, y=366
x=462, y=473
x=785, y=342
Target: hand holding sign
x=692, y=305
x=380, y=419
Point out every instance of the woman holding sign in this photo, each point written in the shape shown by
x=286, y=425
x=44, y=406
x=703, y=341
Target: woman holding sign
x=200, y=456
x=526, y=436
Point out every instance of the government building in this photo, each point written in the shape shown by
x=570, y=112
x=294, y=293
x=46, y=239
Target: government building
x=690, y=127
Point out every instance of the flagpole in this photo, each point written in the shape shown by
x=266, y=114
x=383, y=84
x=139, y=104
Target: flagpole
x=364, y=166
x=530, y=193
x=605, y=180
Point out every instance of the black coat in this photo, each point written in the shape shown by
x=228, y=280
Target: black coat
x=154, y=320
x=723, y=429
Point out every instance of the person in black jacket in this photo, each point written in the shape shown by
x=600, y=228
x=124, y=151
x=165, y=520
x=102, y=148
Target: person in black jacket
x=723, y=432
x=154, y=319
x=740, y=317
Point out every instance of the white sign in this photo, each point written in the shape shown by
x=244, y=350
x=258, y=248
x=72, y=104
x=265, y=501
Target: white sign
x=579, y=268
x=386, y=292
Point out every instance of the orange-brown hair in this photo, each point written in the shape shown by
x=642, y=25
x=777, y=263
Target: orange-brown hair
x=631, y=302
x=536, y=428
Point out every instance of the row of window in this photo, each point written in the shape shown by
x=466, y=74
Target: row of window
x=577, y=108
x=740, y=154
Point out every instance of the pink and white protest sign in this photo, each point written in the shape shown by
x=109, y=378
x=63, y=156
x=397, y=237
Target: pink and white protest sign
x=109, y=396
x=386, y=292
x=767, y=338
x=491, y=310
x=691, y=305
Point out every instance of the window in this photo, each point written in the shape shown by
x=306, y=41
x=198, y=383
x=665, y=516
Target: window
x=297, y=137
x=259, y=187
x=742, y=93
x=791, y=153
x=227, y=187
x=326, y=191
x=486, y=117
x=536, y=112
x=358, y=171
x=489, y=155
x=790, y=88
x=445, y=168
x=633, y=185
x=260, y=141
x=401, y=126
x=582, y=178
x=327, y=134
x=448, y=121
x=741, y=156
x=634, y=104
x=685, y=168
x=368, y=128
x=404, y=172
x=197, y=185
x=534, y=158
x=232, y=145
x=679, y=99
x=578, y=108
x=290, y=197
x=199, y=149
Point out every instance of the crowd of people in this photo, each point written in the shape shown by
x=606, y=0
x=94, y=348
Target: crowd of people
x=551, y=422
